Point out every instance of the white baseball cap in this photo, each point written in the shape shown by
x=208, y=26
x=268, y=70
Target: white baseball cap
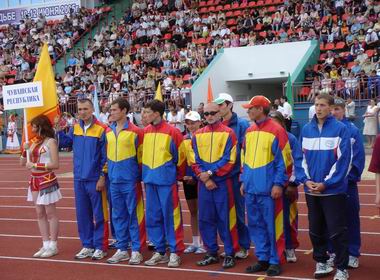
x=223, y=97
x=193, y=116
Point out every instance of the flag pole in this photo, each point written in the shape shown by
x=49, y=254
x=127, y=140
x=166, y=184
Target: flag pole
x=26, y=136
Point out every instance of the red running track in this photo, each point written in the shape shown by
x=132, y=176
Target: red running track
x=19, y=239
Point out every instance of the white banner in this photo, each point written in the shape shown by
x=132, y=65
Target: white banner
x=21, y=96
x=51, y=10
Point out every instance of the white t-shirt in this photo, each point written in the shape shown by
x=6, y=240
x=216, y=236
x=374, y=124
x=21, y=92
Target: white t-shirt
x=287, y=110
x=311, y=112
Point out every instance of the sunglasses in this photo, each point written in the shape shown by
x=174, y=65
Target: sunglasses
x=212, y=113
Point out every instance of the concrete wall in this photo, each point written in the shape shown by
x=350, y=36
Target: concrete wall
x=233, y=68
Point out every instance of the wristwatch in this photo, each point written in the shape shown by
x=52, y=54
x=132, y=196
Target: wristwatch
x=209, y=172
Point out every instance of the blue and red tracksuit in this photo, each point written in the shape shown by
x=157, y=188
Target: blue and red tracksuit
x=290, y=202
x=124, y=169
x=89, y=156
x=265, y=155
x=239, y=126
x=215, y=150
x=163, y=164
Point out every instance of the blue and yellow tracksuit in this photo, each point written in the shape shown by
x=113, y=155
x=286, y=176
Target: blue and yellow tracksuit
x=123, y=164
x=239, y=126
x=290, y=203
x=89, y=156
x=265, y=155
x=215, y=150
x=163, y=164
x=190, y=156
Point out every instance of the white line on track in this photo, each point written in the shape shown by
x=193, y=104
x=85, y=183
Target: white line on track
x=213, y=272
x=72, y=189
x=182, y=199
x=183, y=210
x=185, y=225
x=77, y=238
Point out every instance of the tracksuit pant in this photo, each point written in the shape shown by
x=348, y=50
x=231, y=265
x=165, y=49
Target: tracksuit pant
x=290, y=221
x=243, y=233
x=261, y=226
x=217, y=214
x=353, y=214
x=128, y=215
x=92, y=215
x=164, y=218
x=110, y=206
x=353, y=221
x=328, y=212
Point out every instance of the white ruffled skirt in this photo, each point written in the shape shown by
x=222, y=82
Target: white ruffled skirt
x=45, y=199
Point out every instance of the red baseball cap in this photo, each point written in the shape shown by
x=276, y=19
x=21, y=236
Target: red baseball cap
x=257, y=101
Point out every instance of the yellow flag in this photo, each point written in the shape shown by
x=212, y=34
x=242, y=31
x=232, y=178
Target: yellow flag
x=45, y=74
x=159, y=93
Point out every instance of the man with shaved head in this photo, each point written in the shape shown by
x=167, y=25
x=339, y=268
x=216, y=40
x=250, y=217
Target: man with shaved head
x=215, y=155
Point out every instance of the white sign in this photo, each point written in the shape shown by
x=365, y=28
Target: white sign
x=20, y=96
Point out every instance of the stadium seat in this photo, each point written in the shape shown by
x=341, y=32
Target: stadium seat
x=370, y=53
x=329, y=46
x=219, y=8
x=340, y=45
x=243, y=5
x=260, y=3
x=231, y=21
x=211, y=9
x=227, y=7
x=237, y=13
x=230, y=14
x=305, y=91
x=235, y=6
x=202, y=4
x=252, y=4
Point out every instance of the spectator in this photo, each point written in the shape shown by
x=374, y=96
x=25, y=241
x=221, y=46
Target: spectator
x=370, y=123
x=350, y=109
x=374, y=167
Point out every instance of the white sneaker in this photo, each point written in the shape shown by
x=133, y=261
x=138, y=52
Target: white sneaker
x=341, y=274
x=119, y=256
x=322, y=269
x=98, y=254
x=222, y=255
x=200, y=250
x=39, y=253
x=190, y=249
x=156, y=259
x=49, y=252
x=353, y=262
x=84, y=253
x=174, y=260
x=290, y=255
x=331, y=260
x=136, y=258
x=242, y=254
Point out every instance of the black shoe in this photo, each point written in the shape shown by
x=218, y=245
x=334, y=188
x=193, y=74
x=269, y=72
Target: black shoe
x=273, y=270
x=229, y=262
x=112, y=244
x=257, y=267
x=208, y=259
x=151, y=246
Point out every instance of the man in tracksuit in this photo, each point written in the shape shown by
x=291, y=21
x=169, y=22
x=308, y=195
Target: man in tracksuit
x=326, y=150
x=124, y=141
x=290, y=197
x=239, y=126
x=356, y=170
x=215, y=155
x=265, y=155
x=163, y=164
x=87, y=139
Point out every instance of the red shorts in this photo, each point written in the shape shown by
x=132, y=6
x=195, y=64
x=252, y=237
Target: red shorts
x=42, y=181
